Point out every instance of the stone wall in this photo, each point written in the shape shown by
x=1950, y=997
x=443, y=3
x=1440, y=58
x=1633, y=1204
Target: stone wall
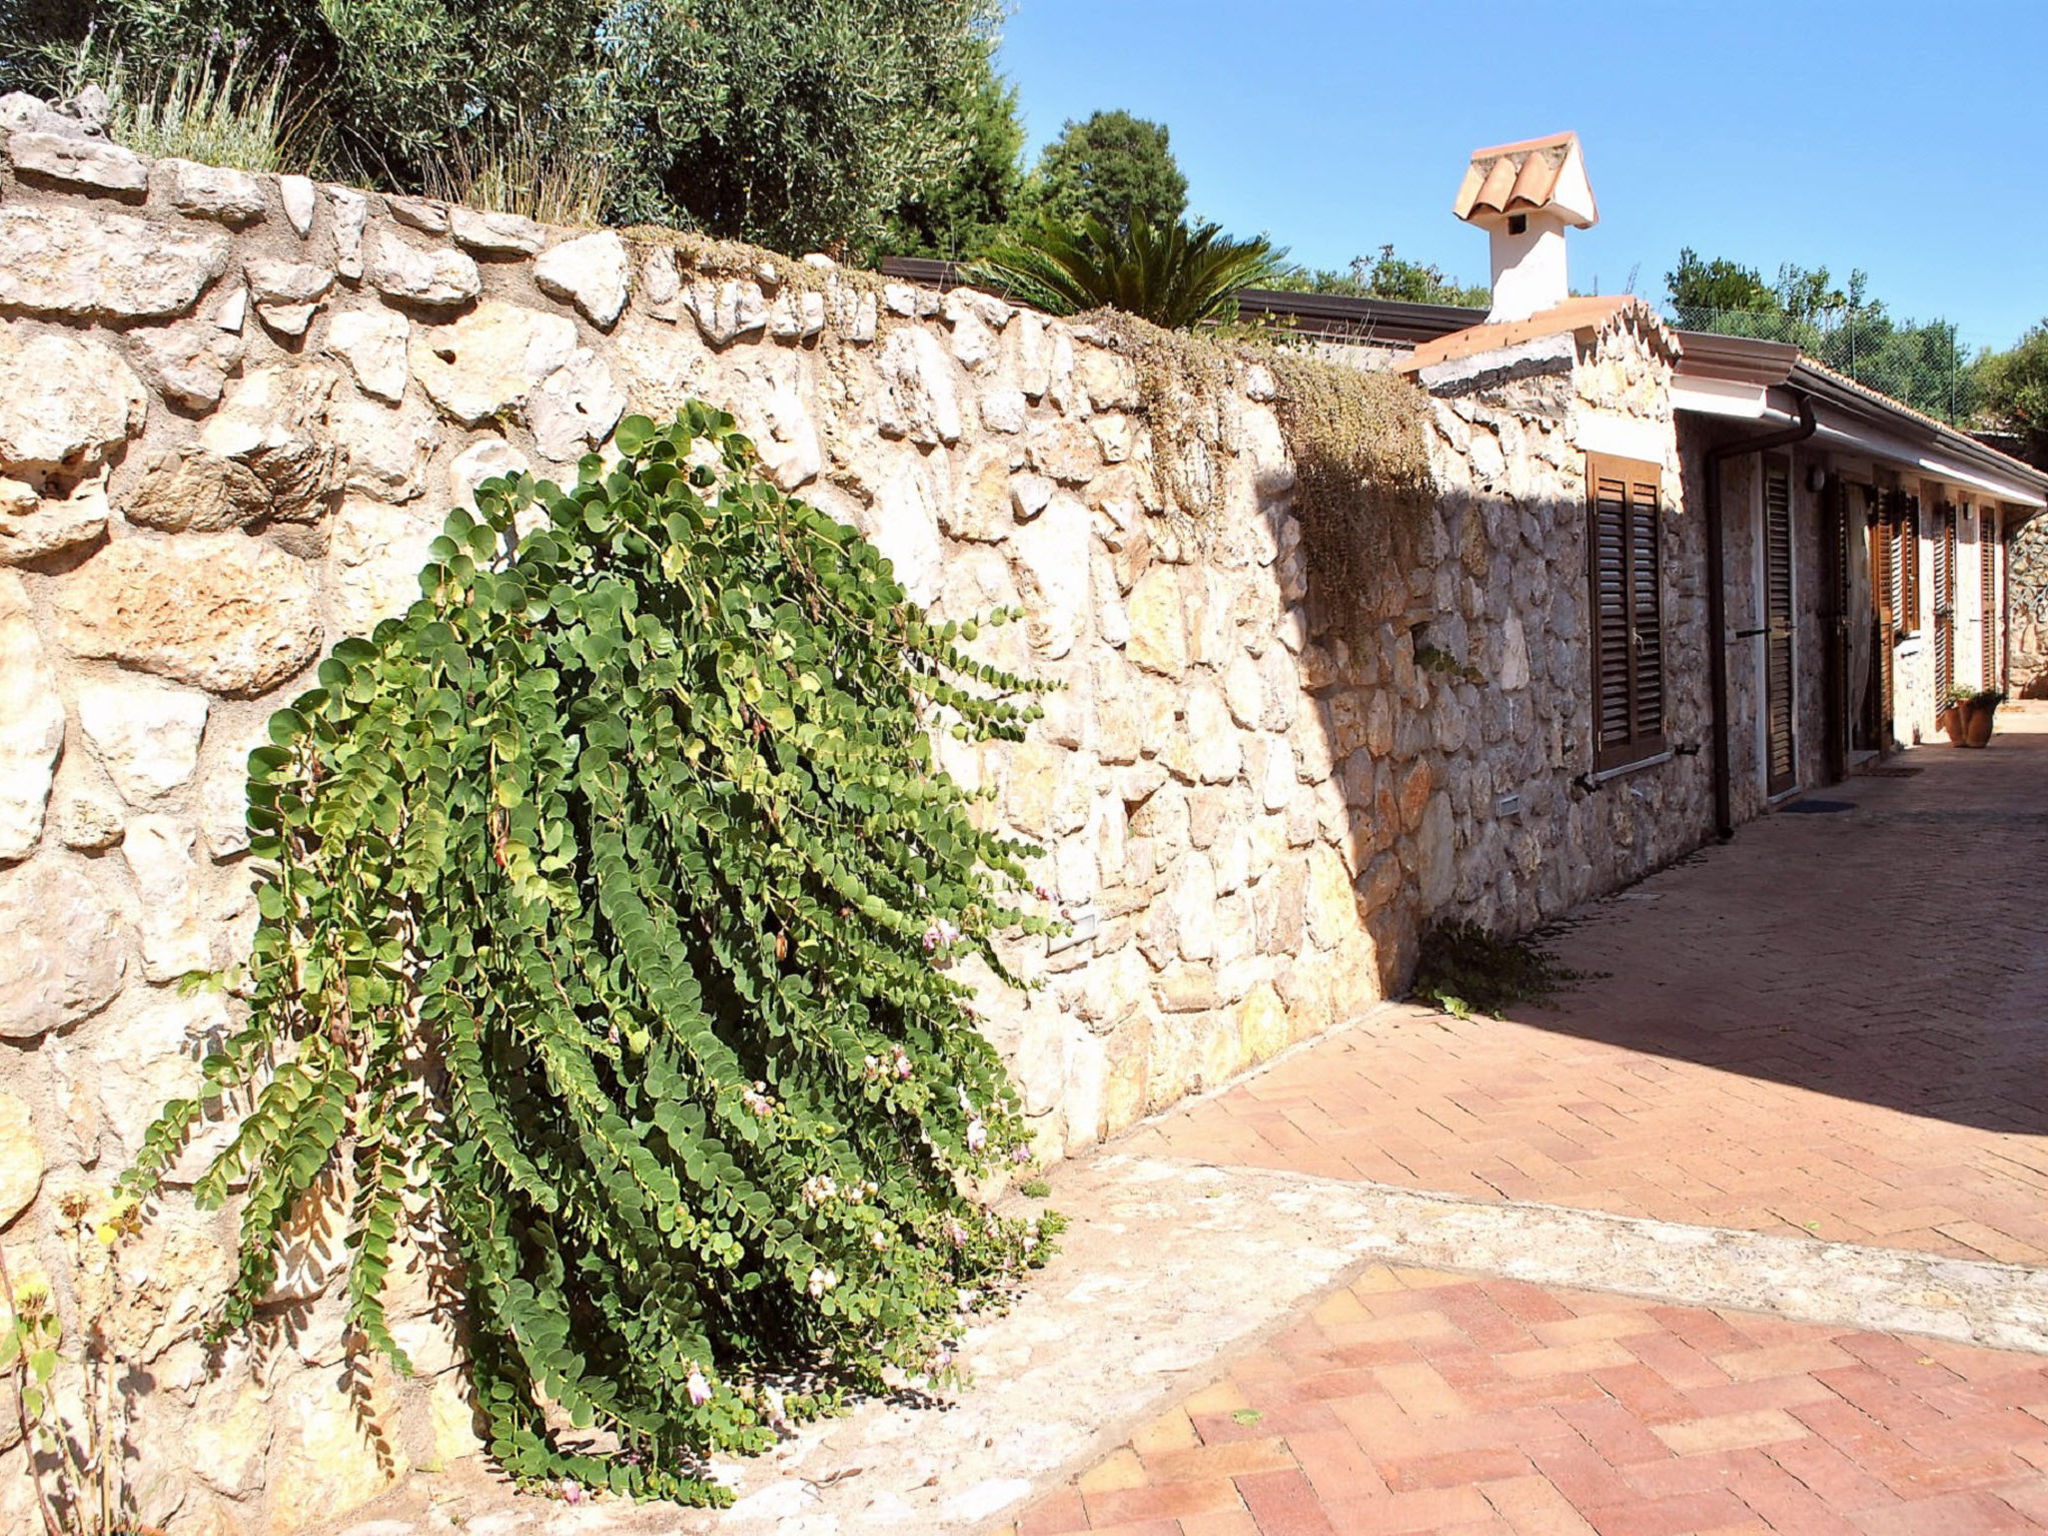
x=2027, y=640
x=234, y=410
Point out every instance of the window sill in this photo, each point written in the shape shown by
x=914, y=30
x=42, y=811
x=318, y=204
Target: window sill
x=1655, y=760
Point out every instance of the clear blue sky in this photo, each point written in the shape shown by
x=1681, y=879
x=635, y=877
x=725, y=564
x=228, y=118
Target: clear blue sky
x=1904, y=139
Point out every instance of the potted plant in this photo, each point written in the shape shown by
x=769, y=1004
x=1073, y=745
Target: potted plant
x=1968, y=716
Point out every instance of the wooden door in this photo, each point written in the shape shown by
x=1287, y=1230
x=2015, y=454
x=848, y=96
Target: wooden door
x=1781, y=755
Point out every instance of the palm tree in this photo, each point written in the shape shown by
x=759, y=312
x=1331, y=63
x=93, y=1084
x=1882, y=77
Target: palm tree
x=1170, y=274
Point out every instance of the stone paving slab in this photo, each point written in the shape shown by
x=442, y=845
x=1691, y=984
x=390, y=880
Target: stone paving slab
x=1174, y=1265
x=1836, y=1025
x=1419, y=1400
x=1790, y=1049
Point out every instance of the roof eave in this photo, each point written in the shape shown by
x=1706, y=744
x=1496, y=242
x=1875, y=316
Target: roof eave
x=1893, y=429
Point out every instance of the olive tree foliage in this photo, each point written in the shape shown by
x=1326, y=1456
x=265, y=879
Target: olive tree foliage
x=388, y=84
x=797, y=124
x=955, y=217
x=612, y=911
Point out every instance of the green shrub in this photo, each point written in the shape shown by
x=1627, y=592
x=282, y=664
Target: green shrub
x=1466, y=969
x=611, y=910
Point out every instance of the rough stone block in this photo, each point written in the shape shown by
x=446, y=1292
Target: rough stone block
x=592, y=271
x=66, y=401
x=920, y=399
x=372, y=342
x=575, y=407
x=145, y=734
x=31, y=724
x=196, y=491
x=79, y=161
x=177, y=937
x=490, y=359
x=221, y=612
x=21, y=1159
x=189, y=361
x=68, y=950
x=74, y=261
x=431, y=277
x=215, y=192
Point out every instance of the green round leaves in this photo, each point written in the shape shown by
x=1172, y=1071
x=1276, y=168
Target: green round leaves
x=612, y=916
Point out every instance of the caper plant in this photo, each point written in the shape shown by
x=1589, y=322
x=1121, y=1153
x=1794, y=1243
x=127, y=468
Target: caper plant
x=610, y=908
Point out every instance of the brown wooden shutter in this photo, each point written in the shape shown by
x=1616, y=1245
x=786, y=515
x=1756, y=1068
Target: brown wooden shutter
x=1625, y=560
x=1782, y=759
x=1909, y=564
x=1987, y=587
x=1944, y=542
x=1884, y=587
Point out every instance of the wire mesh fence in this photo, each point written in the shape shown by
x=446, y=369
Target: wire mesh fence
x=1925, y=364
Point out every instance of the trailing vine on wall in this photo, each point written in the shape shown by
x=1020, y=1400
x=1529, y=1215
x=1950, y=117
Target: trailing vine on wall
x=1359, y=442
x=1363, y=485
x=610, y=915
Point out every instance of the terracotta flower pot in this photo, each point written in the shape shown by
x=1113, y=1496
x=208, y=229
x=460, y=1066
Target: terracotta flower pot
x=1977, y=720
x=1951, y=721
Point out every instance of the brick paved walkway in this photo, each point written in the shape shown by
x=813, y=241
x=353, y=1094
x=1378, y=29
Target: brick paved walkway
x=1420, y=1401
x=1836, y=1025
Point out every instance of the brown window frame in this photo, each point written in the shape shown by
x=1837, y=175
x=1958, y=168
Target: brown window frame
x=1625, y=522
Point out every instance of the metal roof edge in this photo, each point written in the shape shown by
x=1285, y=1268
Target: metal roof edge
x=1901, y=420
x=1773, y=364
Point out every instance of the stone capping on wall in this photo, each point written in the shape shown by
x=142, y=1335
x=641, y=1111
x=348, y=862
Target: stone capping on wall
x=234, y=410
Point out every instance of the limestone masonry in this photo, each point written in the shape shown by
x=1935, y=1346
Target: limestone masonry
x=235, y=409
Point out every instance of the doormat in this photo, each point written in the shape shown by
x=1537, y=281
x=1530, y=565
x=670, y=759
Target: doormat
x=1888, y=773
x=1815, y=807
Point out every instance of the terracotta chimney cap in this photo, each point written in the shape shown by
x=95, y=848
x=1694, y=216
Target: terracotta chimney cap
x=1535, y=175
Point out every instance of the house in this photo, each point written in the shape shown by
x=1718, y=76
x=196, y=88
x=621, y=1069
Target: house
x=1852, y=553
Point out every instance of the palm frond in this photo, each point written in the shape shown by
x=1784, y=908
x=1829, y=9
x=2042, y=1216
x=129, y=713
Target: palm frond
x=1171, y=274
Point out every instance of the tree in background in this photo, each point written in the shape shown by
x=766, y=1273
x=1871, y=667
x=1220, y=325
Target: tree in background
x=1707, y=288
x=2015, y=390
x=1387, y=276
x=957, y=216
x=1114, y=168
x=1920, y=363
x=797, y=124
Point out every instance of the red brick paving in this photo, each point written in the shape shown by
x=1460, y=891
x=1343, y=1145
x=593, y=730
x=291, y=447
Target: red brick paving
x=1415, y=1400
x=1837, y=1025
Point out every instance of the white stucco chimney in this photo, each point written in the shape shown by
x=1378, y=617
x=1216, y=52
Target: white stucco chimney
x=1525, y=196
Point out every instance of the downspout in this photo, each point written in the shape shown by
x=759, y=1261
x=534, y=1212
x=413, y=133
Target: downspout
x=1717, y=598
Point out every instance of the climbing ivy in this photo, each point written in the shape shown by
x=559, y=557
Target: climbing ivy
x=609, y=918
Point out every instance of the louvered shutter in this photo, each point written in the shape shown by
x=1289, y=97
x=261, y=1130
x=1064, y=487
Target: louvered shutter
x=1987, y=601
x=1884, y=583
x=1944, y=603
x=1627, y=606
x=1782, y=758
x=1909, y=562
